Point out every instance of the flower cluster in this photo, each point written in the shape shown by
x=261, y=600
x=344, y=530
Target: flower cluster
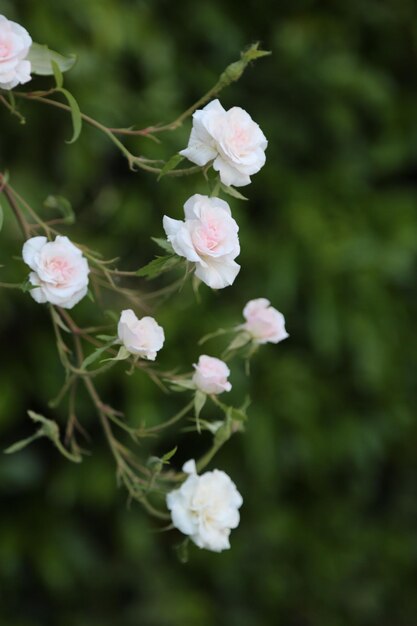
x=206, y=506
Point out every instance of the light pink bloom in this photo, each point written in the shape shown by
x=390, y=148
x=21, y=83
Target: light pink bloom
x=207, y=237
x=15, y=43
x=211, y=375
x=263, y=322
x=231, y=139
x=60, y=272
x=144, y=337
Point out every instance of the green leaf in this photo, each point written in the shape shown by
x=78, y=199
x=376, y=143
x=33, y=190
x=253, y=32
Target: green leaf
x=1, y=216
x=94, y=356
x=41, y=59
x=48, y=428
x=237, y=414
x=159, y=265
x=63, y=206
x=241, y=340
x=122, y=355
x=164, y=244
x=59, y=79
x=231, y=191
x=168, y=456
x=200, y=399
x=75, y=114
x=171, y=164
x=182, y=551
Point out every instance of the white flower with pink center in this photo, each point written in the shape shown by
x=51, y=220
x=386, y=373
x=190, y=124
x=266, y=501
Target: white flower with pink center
x=15, y=43
x=207, y=237
x=264, y=323
x=231, y=139
x=142, y=337
x=211, y=375
x=60, y=272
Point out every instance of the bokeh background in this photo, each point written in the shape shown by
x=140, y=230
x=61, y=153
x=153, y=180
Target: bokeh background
x=327, y=467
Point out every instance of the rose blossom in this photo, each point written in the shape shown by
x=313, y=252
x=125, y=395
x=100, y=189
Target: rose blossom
x=263, y=322
x=143, y=337
x=231, y=139
x=206, y=507
x=211, y=375
x=208, y=237
x=15, y=42
x=60, y=272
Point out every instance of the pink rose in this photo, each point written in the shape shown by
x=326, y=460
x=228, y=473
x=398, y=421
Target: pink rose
x=231, y=139
x=144, y=337
x=60, y=272
x=207, y=237
x=211, y=375
x=263, y=322
x=15, y=43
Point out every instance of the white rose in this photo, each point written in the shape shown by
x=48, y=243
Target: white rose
x=211, y=375
x=15, y=42
x=60, y=272
x=206, y=508
x=143, y=337
x=208, y=237
x=263, y=322
x=231, y=139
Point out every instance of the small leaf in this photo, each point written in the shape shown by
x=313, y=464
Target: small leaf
x=59, y=79
x=200, y=399
x=122, y=355
x=239, y=341
x=159, y=265
x=94, y=356
x=75, y=114
x=171, y=164
x=237, y=414
x=231, y=191
x=63, y=206
x=182, y=551
x=19, y=445
x=1, y=216
x=41, y=60
x=164, y=244
x=168, y=456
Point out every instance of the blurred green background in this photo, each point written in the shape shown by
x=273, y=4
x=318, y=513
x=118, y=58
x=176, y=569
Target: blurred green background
x=328, y=465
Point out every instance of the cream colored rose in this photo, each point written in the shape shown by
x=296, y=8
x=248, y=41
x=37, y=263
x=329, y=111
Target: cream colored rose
x=15, y=42
x=208, y=237
x=231, y=139
x=144, y=337
x=211, y=375
x=60, y=272
x=263, y=322
x=206, y=508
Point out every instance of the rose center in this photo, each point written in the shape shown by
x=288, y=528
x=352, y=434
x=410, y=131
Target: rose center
x=60, y=269
x=207, y=237
x=5, y=48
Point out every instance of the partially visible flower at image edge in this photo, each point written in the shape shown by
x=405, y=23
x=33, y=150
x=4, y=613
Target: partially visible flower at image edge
x=60, y=271
x=15, y=43
x=206, y=507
